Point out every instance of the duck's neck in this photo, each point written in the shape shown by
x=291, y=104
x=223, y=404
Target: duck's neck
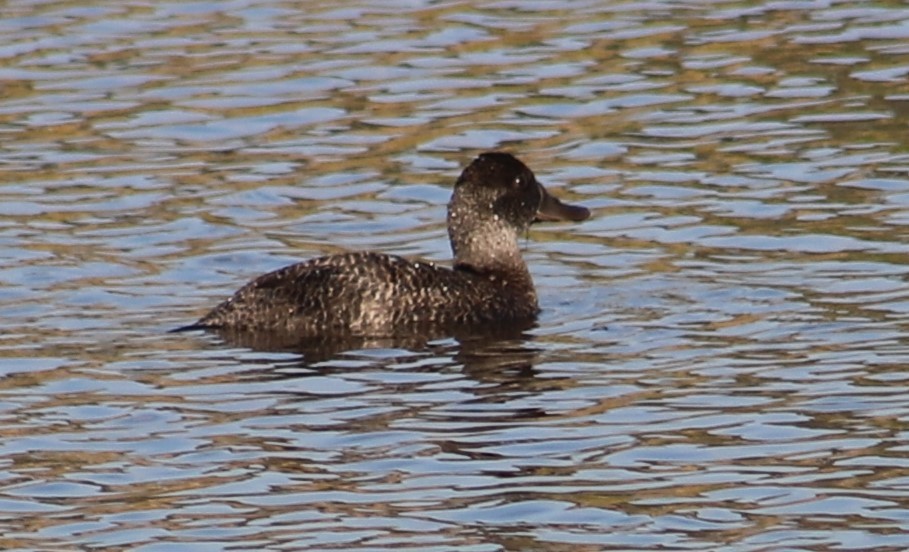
x=488, y=246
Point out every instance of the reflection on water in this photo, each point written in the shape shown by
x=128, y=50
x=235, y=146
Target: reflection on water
x=317, y=349
x=718, y=364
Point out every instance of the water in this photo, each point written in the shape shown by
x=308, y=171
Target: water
x=720, y=359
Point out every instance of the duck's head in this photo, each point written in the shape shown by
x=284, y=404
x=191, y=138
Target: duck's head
x=497, y=198
x=497, y=184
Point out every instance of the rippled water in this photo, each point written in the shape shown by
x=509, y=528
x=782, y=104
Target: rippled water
x=720, y=359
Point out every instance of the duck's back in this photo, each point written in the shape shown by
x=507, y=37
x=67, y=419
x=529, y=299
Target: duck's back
x=373, y=294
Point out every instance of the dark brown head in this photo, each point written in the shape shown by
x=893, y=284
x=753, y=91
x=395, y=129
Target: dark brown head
x=494, y=201
x=497, y=184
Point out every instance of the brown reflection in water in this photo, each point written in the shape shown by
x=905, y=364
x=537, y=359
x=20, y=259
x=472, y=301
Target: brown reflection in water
x=749, y=386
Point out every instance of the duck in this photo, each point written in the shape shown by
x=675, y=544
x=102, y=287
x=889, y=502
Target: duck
x=368, y=294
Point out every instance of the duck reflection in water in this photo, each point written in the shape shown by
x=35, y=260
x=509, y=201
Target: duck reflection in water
x=365, y=299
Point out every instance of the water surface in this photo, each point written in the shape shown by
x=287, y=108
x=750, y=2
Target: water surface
x=719, y=362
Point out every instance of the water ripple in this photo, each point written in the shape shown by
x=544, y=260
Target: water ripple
x=718, y=364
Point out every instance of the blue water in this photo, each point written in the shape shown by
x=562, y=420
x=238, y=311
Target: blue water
x=719, y=360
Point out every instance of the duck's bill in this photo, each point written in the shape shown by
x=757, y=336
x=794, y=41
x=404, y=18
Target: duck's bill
x=551, y=210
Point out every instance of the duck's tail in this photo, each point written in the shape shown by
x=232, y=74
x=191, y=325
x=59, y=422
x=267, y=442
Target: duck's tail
x=191, y=327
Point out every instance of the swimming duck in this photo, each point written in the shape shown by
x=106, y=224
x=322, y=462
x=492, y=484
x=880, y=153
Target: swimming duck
x=494, y=202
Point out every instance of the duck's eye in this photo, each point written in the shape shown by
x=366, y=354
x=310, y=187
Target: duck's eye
x=518, y=181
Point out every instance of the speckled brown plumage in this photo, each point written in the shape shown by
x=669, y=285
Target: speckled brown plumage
x=494, y=201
